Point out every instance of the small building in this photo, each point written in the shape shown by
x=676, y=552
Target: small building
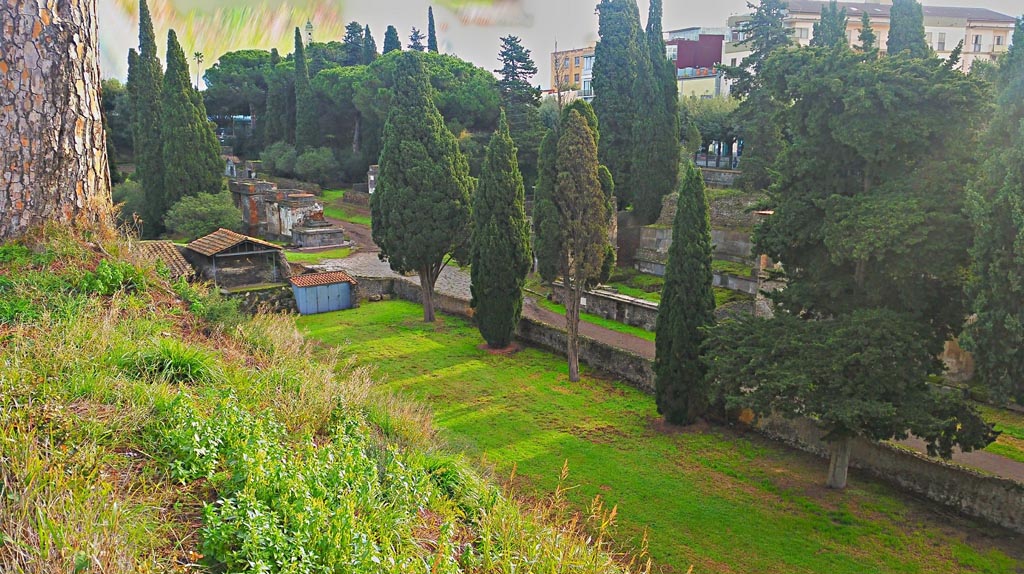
x=232, y=166
x=231, y=259
x=167, y=254
x=313, y=231
x=324, y=292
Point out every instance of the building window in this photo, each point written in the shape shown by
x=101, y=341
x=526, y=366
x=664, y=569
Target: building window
x=587, y=88
x=941, y=47
x=802, y=33
x=576, y=78
x=576, y=61
x=733, y=63
x=565, y=62
x=999, y=40
x=977, y=42
x=672, y=52
x=928, y=38
x=588, y=62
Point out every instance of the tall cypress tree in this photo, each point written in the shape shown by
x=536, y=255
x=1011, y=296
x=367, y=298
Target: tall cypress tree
x=501, y=242
x=369, y=47
x=687, y=306
x=391, y=41
x=663, y=120
x=868, y=39
x=191, y=155
x=420, y=211
x=830, y=29
x=431, y=31
x=996, y=205
x=547, y=232
x=621, y=90
x=305, y=105
x=147, y=81
x=906, y=30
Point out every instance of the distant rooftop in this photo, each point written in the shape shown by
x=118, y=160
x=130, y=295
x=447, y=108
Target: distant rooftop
x=855, y=9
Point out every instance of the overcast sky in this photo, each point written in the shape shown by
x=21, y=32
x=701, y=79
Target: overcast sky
x=215, y=26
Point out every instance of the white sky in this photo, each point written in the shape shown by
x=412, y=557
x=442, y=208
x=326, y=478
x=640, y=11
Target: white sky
x=540, y=23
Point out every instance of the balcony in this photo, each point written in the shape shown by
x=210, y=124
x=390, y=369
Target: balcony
x=986, y=48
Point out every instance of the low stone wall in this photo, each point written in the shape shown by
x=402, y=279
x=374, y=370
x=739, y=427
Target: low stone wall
x=287, y=183
x=720, y=177
x=356, y=197
x=997, y=500
x=622, y=308
x=279, y=299
x=732, y=245
x=746, y=285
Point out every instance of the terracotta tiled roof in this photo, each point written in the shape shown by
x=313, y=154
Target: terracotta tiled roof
x=224, y=239
x=165, y=251
x=317, y=279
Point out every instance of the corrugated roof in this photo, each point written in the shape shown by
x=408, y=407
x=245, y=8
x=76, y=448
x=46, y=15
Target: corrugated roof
x=318, y=279
x=224, y=239
x=882, y=10
x=165, y=251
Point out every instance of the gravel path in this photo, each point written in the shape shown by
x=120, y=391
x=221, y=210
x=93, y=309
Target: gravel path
x=455, y=282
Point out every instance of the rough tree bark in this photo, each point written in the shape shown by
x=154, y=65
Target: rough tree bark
x=427, y=280
x=53, y=153
x=839, y=462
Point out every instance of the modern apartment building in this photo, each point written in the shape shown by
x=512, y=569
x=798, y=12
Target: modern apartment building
x=570, y=68
x=985, y=33
x=697, y=55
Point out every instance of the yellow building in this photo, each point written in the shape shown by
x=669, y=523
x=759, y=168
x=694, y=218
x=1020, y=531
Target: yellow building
x=569, y=68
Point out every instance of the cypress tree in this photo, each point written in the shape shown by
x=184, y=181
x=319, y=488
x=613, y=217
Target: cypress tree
x=868, y=39
x=305, y=105
x=369, y=47
x=547, y=232
x=687, y=306
x=190, y=152
x=830, y=29
x=391, y=41
x=906, y=30
x=273, y=117
x=996, y=205
x=421, y=208
x=416, y=40
x=147, y=81
x=501, y=244
x=431, y=31
x=663, y=120
x=584, y=220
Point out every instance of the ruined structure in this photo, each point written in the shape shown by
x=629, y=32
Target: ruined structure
x=233, y=260
x=315, y=231
x=275, y=214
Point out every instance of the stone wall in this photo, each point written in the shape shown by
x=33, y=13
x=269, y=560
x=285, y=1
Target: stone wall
x=278, y=299
x=628, y=238
x=746, y=285
x=997, y=500
x=732, y=245
x=617, y=307
x=355, y=197
x=720, y=177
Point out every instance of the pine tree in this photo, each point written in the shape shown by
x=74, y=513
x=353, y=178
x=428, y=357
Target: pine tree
x=622, y=93
x=996, y=205
x=416, y=40
x=431, y=31
x=369, y=47
x=830, y=29
x=906, y=30
x=191, y=155
x=352, y=44
x=687, y=306
x=663, y=121
x=584, y=220
x=501, y=242
x=521, y=102
x=147, y=81
x=420, y=211
x=868, y=39
x=391, y=41
x=765, y=33
x=305, y=105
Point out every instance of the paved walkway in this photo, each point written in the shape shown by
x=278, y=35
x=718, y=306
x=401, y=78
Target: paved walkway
x=455, y=282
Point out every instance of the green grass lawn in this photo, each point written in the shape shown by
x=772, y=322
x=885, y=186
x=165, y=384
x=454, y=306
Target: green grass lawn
x=1011, y=443
x=731, y=268
x=722, y=501
x=598, y=320
x=335, y=209
x=316, y=257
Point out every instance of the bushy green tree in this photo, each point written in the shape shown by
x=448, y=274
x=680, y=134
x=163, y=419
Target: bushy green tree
x=317, y=165
x=337, y=89
x=431, y=31
x=996, y=205
x=369, y=53
x=117, y=120
x=906, y=30
x=500, y=253
x=584, y=217
x=416, y=40
x=279, y=118
x=660, y=125
x=279, y=159
x=547, y=231
x=521, y=101
x=391, y=41
x=236, y=84
x=868, y=38
x=765, y=33
x=830, y=29
x=421, y=208
x=191, y=152
x=687, y=307
x=195, y=216
x=145, y=84
x=305, y=108
x=352, y=44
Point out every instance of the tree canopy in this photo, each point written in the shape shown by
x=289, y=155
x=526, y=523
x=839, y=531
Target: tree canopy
x=906, y=30
x=391, y=41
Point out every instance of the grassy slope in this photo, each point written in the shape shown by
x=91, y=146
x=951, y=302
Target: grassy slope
x=722, y=501
x=318, y=256
x=598, y=320
x=1011, y=443
x=137, y=437
x=335, y=209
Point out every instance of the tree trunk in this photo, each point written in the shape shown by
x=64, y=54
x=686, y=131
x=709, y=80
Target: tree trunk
x=839, y=462
x=427, y=294
x=357, y=140
x=53, y=152
x=572, y=324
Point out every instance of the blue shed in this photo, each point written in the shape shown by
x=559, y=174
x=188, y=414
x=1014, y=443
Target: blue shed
x=324, y=292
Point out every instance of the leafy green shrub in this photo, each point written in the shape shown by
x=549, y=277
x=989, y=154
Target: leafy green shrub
x=109, y=278
x=16, y=309
x=279, y=158
x=132, y=201
x=208, y=304
x=199, y=215
x=171, y=361
x=317, y=165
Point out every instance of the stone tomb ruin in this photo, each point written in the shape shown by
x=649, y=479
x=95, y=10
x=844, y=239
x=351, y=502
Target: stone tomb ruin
x=283, y=215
